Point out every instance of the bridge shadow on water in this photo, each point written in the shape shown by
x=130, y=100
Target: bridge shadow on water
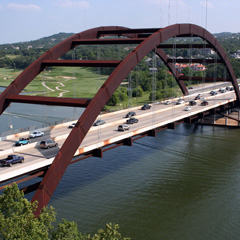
x=180, y=174
x=92, y=169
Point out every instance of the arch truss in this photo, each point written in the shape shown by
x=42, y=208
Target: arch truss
x=146, y=40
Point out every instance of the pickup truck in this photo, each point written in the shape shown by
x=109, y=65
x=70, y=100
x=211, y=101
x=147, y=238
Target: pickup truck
x=22, y=141
x=11, y=159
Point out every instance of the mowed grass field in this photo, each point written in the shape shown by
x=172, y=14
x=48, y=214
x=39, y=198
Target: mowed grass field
x=59, y=82
x=68, y=82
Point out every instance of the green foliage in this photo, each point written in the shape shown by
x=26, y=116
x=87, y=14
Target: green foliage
x=17, y=221
x=187, y=72
x=110, y=232
x=67, y=231
x=137, y=92
x=120, y=95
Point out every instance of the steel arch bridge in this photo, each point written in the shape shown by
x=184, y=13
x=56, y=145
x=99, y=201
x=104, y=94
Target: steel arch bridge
x=147, y=40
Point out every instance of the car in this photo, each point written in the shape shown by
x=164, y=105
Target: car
x=180, y=101
x=190, y=87
x=99, y=122
x=123, y=127
x=36, y=134
x=12, y=159
x=228, y=88
x=204, y=103
x=223, y=90
x=192, y=103
x=145, y=107
x=130, y=114
x=22, y=141
x=167, y=102
x=187, y=108
x=132, y=121
x=231, y=88
x=213, y=93
x=197, y=97
x=48, y=143
x=72, y=125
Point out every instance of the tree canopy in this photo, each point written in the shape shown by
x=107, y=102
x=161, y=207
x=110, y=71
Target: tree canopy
x=17, y=221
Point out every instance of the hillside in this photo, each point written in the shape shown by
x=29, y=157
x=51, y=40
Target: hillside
x=45, y=42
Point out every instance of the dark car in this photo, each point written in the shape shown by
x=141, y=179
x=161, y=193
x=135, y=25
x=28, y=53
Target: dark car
x=204, y=103
x=132, y=121
x=192, y=103
x=145, y=107
x=12, y=159
x=48, y=143
x=99, y=122
x=22, y=141
x=130, y=114
x=197, y=97
x=123, y=127
x=213, y=93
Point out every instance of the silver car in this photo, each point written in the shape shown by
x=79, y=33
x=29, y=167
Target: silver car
x=48, y=143
x=123, y=127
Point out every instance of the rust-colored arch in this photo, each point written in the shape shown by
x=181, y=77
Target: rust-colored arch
x=153, y=39
x=37, y=67
x=83, y=125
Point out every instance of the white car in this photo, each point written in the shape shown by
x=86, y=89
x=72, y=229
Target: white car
x=36, y=134
x=187, y=108
x=167, y=102
x=72, y=125
x=180, y=101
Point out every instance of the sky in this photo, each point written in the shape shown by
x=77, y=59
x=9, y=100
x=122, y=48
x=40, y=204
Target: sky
x=26, y=20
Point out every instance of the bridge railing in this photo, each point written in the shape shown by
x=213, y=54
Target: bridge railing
x=32, y=128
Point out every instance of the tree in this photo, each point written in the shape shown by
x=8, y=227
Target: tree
x=17, y=221
x=67, y=230
x=137, y=92
x=109, y=233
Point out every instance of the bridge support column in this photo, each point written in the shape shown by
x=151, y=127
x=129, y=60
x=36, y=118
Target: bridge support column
x=188, y=120
x=238, y=116
x=128, y=142
x=98, y=153
x=152, y=133
x=172, y=125
x=226, y=119
x=201, y=116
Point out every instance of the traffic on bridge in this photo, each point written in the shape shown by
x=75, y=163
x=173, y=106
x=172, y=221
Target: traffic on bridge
x=108, y=133
x=50, y=154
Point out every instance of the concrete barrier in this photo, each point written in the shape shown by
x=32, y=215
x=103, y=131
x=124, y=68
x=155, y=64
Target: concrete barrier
x=6, y=152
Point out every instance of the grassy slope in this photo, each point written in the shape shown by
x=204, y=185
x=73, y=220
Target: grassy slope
x=79, y=82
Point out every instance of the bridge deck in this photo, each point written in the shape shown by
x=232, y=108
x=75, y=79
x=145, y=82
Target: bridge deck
x=159, y=115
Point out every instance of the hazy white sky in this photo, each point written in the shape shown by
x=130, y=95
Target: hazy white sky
x=25, y=20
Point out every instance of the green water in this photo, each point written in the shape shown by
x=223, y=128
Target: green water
x=183, y=184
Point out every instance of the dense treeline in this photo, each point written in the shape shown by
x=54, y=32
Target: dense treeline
x=140, y=80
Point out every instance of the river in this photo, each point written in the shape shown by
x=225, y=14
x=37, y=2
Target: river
x=183, y=184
